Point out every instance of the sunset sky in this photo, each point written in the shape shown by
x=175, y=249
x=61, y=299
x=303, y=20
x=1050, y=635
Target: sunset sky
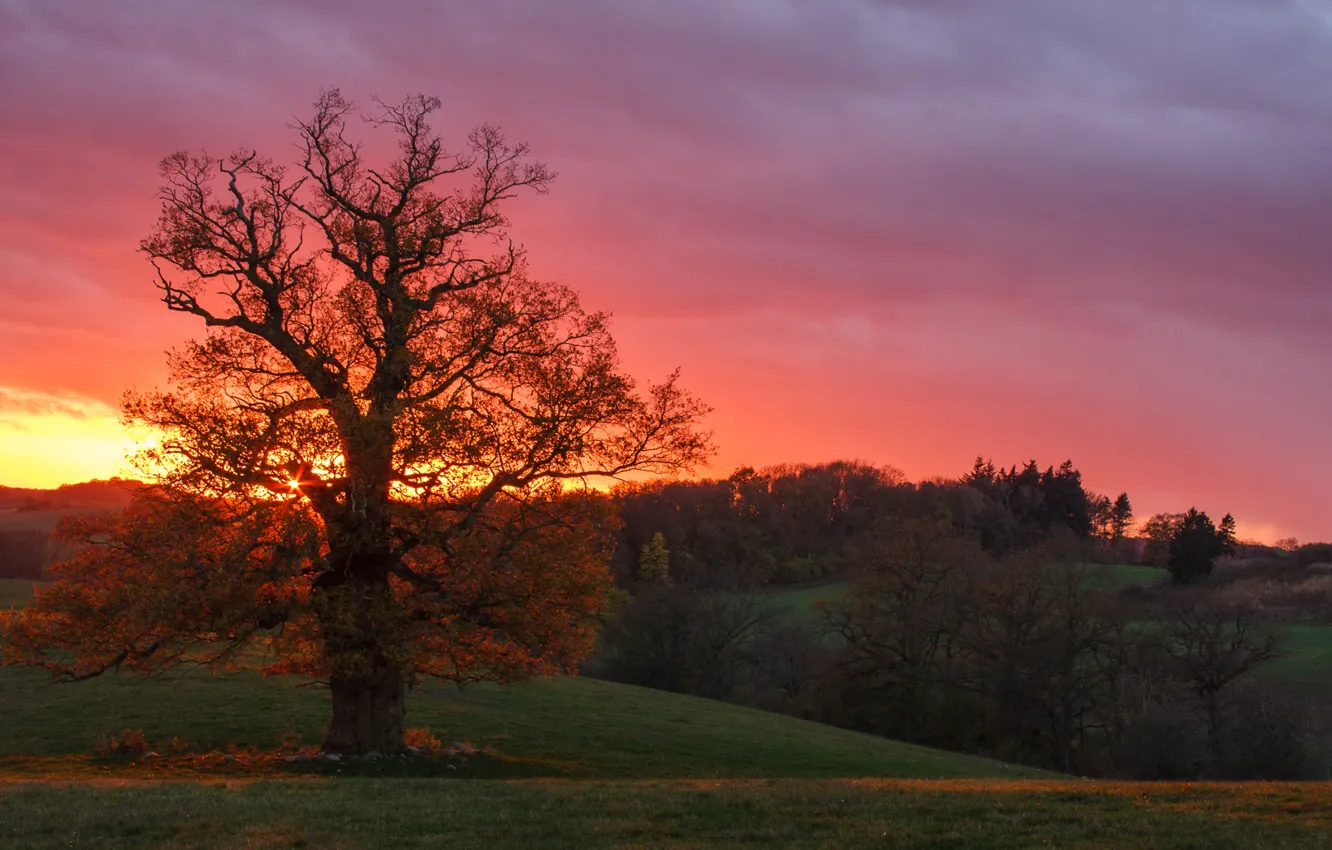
x=902, y=232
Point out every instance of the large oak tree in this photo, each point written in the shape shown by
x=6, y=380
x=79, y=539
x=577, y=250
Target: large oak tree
x=375, y=461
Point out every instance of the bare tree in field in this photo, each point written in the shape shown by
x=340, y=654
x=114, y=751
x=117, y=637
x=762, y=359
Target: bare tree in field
x=1212, y=649
x=366, y=461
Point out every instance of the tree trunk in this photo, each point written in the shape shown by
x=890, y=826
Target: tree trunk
x=1214, y=747
x=368, y=715
x=363, y=637
x=361, y=623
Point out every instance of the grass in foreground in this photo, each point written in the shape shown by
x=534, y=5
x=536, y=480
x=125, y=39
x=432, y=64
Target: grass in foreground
x=584, y=764
x=718, y=813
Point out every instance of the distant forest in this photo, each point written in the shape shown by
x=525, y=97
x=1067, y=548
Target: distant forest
x=1010, y=612
x=780, y=525
x=109, y=493
x=791, y=524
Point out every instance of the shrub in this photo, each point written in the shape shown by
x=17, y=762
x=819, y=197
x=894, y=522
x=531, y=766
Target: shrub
x=422, y=738
x=127, y=746
x=177, y=746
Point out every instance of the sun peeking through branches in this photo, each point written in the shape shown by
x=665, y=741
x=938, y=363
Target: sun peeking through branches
x=377, y=458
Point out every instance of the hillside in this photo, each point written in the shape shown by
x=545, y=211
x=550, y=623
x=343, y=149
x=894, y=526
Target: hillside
x=617, y=767
x=566, y=763
x=568, y=727
x=111, y=493
x=28, y=516
x=560, y=727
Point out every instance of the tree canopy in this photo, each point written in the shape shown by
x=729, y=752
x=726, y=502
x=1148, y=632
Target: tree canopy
x=376, y=458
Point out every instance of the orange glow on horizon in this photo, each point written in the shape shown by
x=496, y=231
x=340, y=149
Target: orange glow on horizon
x=47, y=441
x=47, y=450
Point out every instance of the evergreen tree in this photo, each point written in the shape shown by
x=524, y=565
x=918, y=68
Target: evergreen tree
x=982, y=473
x=654, y=561
x=1196, y=544
x=1121, y=516
x=1226, y=531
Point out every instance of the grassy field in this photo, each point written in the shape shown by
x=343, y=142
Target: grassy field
x=1307, y=655
x=667, y=814
x=800, y=600
x=564, y=727
x=38, y=520
x=565, y=763
x=14, y=591
x=1119, y=576
x=574, y=763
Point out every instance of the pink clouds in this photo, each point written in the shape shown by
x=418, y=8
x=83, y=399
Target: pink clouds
x=905, y=232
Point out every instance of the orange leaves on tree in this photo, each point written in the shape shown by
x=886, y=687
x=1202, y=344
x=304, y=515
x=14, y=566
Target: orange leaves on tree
x=174, y=579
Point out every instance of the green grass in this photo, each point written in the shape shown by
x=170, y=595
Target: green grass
x=570, y=763
x=1116, y=577
x=621, y=767
x=565, y=727
x=14, y=591
x=800, y=600
x=775, y=813
x=1306, y=655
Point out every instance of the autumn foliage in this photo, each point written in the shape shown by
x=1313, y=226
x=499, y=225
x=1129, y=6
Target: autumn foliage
x=182, y=579
x=375, y=466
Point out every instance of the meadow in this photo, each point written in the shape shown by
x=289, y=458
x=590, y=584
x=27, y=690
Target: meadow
x=565, y=727
x=563, y=763
x=44, y=520
x=567, y=762
x=14, y=591
x=1306, y=657
x=818, y=813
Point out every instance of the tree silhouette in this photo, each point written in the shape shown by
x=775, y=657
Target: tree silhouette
x=1196, y=543
x=367, y=460
x=1121, y=516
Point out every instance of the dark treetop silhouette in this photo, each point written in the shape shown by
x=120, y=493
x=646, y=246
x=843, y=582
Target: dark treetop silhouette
x=367, y=460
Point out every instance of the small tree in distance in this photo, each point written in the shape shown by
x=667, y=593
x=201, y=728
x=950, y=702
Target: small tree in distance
x=1158, y=531
x=1121, y=517
x=1195, y=545
x=654, y=561
x=366, y=462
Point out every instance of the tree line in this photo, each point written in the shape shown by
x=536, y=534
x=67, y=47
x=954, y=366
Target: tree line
x=972, y=618
x=794, y=523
